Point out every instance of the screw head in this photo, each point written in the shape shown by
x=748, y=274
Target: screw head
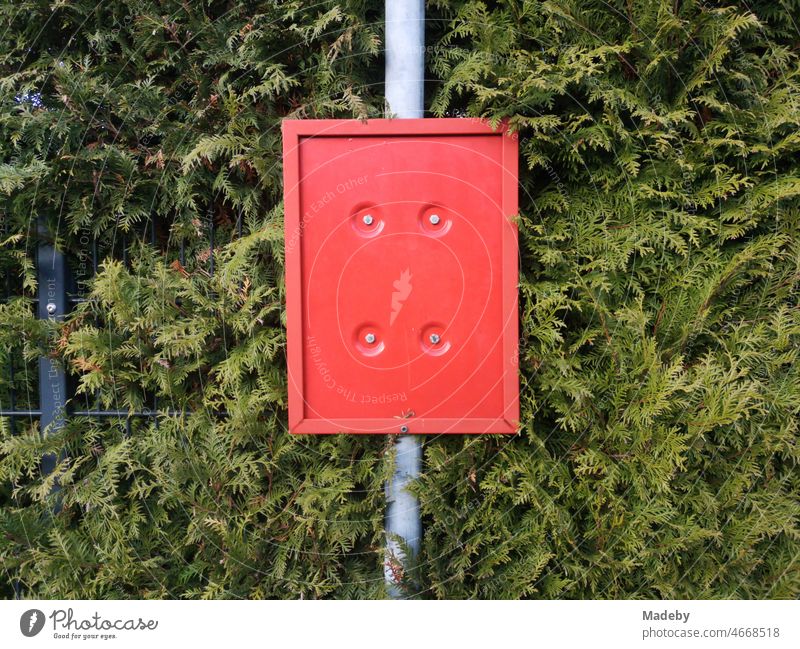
x=435, y=339
x=403, y=429
x=434, y=219
x=367, y=219
x=51, y=308
x=370, y=338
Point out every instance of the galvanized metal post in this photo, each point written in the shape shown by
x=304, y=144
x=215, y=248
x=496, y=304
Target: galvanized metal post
x=52, y=277
x=405, y=58
x=405, y=92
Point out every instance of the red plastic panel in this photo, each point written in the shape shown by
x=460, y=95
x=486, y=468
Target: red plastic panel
x=401, y=276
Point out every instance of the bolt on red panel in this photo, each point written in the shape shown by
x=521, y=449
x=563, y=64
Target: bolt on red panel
x=401, y=276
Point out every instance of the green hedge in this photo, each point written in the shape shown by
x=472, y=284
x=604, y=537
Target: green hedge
x=660, y=262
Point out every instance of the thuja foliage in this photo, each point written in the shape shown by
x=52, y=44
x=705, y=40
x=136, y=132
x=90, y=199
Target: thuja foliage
x=120, y=118
x=660, y=259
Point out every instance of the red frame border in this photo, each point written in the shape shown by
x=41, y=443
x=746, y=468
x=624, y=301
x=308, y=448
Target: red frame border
x=293, y=131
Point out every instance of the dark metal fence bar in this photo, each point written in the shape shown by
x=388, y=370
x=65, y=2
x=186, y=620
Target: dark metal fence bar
x=14, y=413
x=111, y=414
x=52, y=305
x=71, y=299
x=94, y=255
x=12, y=392
x=124, y=413
x=211, y=237
x=12, y=388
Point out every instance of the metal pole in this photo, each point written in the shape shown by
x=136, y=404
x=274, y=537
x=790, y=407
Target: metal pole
x=405, y=58
x=405, y=75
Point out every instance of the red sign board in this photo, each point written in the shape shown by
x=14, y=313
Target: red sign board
x=401, y=276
